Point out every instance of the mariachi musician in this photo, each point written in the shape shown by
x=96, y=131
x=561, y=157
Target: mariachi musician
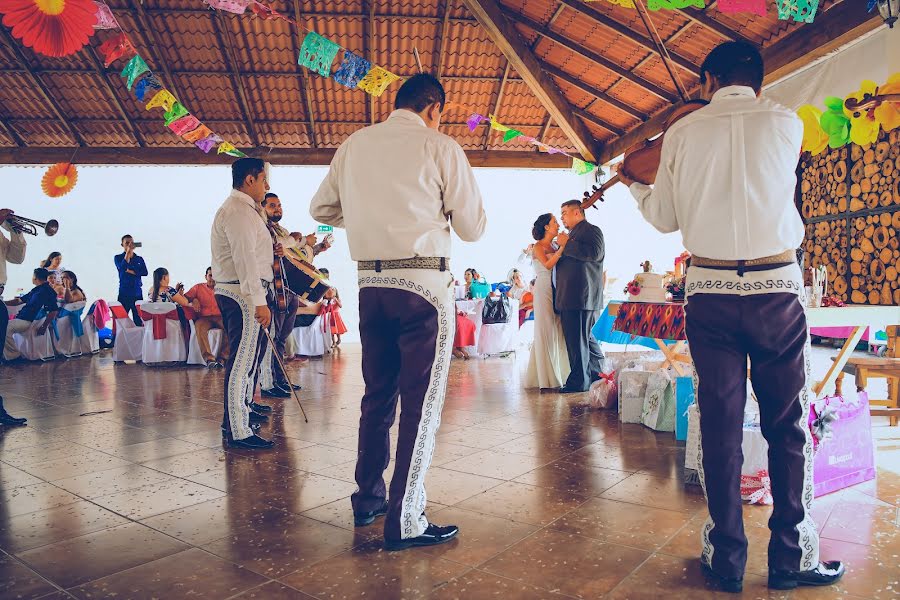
x=272, y=378
x=242, y=267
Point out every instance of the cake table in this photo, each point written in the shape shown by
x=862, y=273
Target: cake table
x=660, y=321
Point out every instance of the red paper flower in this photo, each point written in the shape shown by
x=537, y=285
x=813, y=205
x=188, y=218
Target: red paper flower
x=59, y=179
x=51, y=27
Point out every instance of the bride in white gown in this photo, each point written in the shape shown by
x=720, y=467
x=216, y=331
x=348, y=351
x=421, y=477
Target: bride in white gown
x=548, y=366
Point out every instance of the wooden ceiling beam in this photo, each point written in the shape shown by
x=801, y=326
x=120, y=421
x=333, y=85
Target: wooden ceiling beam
x=592, y=118
x=589, y=54
x=508, y=40
x=589, y=89
x=304, y=79
x=628, y=33
x=809, y=42
x=139, y=13
x=440, y=43
x=544, y=129
x=520, y=126
x=200, y=72
x=101, y=73
x=8, y=130
x=501, y=86
x=226, y=42
x=313, y=15
x=41, y=88
x=699, y=16
x=277, y=156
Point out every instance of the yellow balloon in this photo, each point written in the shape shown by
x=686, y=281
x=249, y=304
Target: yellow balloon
x=863, y=127
x=888, y=113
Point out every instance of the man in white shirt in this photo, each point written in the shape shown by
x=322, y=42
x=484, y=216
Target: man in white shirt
x=242, y=258
x=726, y=180
x=397, y=187
x=12, y=250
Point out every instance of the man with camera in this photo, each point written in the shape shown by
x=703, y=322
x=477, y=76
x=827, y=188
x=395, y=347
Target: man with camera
x=131, y=268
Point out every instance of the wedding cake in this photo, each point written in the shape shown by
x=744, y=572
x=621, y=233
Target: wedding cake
x=646, y=286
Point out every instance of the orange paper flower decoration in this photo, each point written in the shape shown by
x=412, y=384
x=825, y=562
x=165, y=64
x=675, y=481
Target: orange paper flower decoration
x=59, y=179
x=51, y=27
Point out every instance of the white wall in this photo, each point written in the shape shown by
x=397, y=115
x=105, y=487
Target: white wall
x=170, y=210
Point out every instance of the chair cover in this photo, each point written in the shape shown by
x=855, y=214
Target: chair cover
x=163, y=338
x=195, y=356
x=314, y=340
x=90, y=341
x=69, y=330
x=33, y=346
x=129, y=338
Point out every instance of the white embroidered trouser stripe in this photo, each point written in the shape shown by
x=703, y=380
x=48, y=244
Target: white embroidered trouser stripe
x=240, y=383
x=266, y=379
x=809, y=536
x=435, y=287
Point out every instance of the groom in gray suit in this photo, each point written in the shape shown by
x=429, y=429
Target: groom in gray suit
x=579, y=295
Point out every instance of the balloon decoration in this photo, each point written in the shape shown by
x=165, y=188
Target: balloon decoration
x=51, y=27
x=59, y=179
x=814, y=137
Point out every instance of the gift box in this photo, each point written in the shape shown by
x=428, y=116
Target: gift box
x=755, y=485
x=684, y=397
x=632, y=385
x=659, y=402
x=603, y=392
x=845, y=453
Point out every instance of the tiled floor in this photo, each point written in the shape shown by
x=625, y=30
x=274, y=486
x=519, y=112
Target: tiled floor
x=120, y=488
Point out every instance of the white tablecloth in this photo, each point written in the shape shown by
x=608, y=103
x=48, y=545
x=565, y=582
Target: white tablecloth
x=494, y=338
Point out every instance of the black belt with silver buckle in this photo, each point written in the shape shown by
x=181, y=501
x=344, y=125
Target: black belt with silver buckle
x=419, y=262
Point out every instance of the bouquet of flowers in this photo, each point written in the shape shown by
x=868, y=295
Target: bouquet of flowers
x=633, y=287
x=676, y=288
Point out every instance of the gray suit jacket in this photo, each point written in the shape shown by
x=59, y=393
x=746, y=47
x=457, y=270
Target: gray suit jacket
x=579, y=272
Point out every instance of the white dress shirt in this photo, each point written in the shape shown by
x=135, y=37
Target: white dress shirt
x=394, y=186
x=727, y=178
x=12, y=250
x=242, y=246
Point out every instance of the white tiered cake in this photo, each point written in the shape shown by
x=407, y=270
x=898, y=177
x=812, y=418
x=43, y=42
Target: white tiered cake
x=651, y=285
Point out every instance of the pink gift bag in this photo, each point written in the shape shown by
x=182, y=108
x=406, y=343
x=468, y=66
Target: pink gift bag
x=842, y=436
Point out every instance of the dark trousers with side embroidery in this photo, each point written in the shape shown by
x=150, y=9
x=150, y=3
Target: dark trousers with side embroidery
x=770, y=330
x=406, y=341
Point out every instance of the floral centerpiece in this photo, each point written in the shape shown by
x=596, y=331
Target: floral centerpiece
x=676, y=288
x=633, y=287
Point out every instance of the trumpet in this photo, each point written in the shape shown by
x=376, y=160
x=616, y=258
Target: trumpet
x=30, y=226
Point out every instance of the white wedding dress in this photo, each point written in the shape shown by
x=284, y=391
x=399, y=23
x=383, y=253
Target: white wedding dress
x=548, y=366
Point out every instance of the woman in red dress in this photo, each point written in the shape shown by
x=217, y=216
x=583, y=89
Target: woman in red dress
x=465, y=336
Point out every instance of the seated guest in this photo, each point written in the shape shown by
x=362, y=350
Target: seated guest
x=161, y=292
x=53, y=265
x=41, y=297
x=526, y=308
x=71, y=291
x=203, y=299
x=516, y=286
x=476, y=286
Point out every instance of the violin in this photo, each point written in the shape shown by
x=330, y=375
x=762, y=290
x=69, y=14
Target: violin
x=278, y=281
x=869, y=103
x=641, y=161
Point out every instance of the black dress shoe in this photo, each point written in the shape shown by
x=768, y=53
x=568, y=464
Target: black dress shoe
x=361, y=519
x=11, y=421
x=254, y=442
x=275, y=392
x=254, y=427
x=568, y=390
x=826, y=573
x=255, y=417
x=260, y=408
x=287, y=387
x=434, y=535
x=732, y=585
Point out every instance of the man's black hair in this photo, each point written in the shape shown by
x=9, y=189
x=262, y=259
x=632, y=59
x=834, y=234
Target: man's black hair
x=575, y=203
x=244, y=167
x=419, y=91
x=41, y=274
x=735, y=63
x=269, y=195
x=127, y=236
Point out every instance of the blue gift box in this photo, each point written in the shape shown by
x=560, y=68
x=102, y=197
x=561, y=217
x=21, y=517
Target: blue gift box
x=684, y=397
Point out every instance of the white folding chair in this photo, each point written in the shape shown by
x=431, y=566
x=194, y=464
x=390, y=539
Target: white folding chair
x=163, y=339
x=498, y=338
x=69, y=330
x=33, y=346
x=310, y=341
x=90, y=341
x=195, y=356
x=129, y=338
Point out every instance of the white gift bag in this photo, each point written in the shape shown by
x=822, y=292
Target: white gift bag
x=658, y=412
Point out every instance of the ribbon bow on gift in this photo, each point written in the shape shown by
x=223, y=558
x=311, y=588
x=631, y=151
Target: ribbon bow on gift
x=757, y=489
x=821, y=427
x=609, y=378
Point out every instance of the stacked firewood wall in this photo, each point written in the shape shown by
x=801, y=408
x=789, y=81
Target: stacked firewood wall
x=850, y=202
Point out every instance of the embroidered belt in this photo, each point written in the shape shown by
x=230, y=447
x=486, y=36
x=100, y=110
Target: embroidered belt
x=264, y=283
x=766, y=263
x=419, y=262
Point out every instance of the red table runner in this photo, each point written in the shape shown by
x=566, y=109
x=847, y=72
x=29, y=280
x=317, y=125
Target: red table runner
x=660, y=321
